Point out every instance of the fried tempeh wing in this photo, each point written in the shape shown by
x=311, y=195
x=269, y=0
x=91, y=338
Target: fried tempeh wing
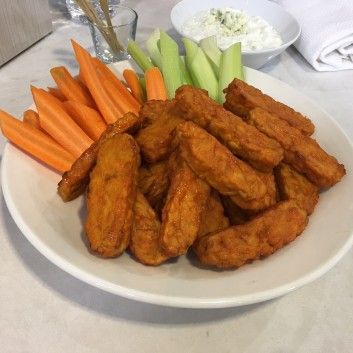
x=270, y=198
x=214, y=163
x=301, y=152
x=155, y=140
x=154, y=182
x=294, y=186
x=111, y=196
x=241, y=98
x=74, y=182
x=144, y=242
x=213, y=218
x=183, y=210
x=262, y=236
x=153, y=110
x=243, y=140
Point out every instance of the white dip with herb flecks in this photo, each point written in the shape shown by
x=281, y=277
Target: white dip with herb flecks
x=231, y=26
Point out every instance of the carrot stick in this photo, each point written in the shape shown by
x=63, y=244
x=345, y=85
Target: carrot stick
x=105, y=72
x=70, y=88
x=32, y=118
x=155, y=86
x=133, y=82
x=58, y=124
x=106, y=106
x=35, y=142
x=88, y=119
x=118, y=97
x=56, y=93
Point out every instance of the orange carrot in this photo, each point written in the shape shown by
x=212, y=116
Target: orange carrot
x=88, y=119
x=155, y=87
x=133, y=82
x=118, y=98
x=58, y=124
x=105, y=72
x=106, y=106
x=35, y=142
x=70, y=88
x=56, y=93
x=32, y=118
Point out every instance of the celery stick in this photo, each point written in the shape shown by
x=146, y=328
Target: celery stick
x=139, y=56
x=204, y=74
x=186, y=78
x=209, y=46
x=153, y=49
x=230, y=68
x=170, y=63
x=190, y=51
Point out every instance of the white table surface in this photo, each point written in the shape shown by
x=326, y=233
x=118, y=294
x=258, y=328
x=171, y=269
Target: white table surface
x=43, y=309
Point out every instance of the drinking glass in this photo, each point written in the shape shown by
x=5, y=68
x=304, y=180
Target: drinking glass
x=124, y=22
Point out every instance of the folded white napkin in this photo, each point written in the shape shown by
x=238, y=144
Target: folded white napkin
x=327, y=32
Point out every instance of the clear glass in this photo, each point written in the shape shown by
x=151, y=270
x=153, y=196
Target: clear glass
x=77, y=15
x=124, y=21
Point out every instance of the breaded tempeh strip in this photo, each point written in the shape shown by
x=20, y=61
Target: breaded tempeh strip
x=214, y=163
x=242, y=97
x=213, y=218
x=300, y=151
x=155, y=140
x=243, y=140
x=144, y=242
x=270, y=198
x=152, y=110
x=111, y=196
x=183, y=210
x=295, y=186
x=74, y=182
x=154, y=182
x=262, y=236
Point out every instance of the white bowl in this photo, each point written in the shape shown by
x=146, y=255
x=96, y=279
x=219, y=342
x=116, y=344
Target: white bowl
x=285, y=24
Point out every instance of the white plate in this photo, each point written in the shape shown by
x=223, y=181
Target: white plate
x=55, y=229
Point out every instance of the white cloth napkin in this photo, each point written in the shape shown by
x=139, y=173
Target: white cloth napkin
x=326, y=41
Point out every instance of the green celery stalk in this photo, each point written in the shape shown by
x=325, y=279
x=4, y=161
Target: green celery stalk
x=153, y=48
x=230, y=68
x=202, y=71
x=209, y=46
x=170, y=63
x=141, y=59
x=190, y=51
x=186, y=78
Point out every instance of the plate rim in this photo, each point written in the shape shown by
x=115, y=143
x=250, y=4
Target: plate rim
x=159, y=299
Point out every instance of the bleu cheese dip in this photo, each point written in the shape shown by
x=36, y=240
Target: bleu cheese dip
x=230, y=26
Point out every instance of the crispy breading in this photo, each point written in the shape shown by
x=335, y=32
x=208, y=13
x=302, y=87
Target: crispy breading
x=213, y=218
x=270, y=198
x=111, y=195
x=243, y=140
x=152, y=110
x=154, y=182
x=295, y=186
x=214, y=163
x=144, y=242
x=155, y=140
x=300, y=151
x=183, y=210
x=74, y=182
x=262, y=236
x=241, y=98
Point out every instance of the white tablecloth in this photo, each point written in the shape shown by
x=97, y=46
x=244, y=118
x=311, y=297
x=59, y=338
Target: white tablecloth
x=43, y=309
